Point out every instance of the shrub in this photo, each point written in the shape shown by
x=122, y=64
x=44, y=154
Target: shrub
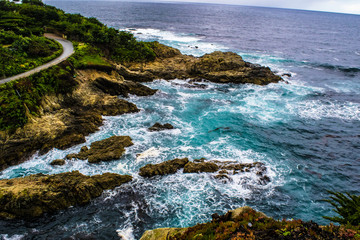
x=347, y=206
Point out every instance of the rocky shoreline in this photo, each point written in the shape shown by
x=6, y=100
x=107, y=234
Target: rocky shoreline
x=247, y=223
x=34, y=195
x=65, y=119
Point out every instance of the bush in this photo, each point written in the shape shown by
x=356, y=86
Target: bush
x=347, y=206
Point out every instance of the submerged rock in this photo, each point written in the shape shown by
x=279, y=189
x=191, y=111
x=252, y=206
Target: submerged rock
x=159, y=127
x=58, y=162
x=105, y=150
x=35, y=195
x=164, y=168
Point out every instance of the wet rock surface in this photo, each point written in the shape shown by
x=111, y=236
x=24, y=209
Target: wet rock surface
x=159, y=127
x=168, y=167
x=223, y=169
x=58, y=162
x=34, y=195
x=105, y=150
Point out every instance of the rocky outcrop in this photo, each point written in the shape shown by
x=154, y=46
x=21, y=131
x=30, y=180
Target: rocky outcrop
x=34, y=195
x=220, y=67
x=58, y=162
x=246, y=223
x=123, y=88
x=105, y=150
x=168, y=167
x=159, y=127
x=223, y=169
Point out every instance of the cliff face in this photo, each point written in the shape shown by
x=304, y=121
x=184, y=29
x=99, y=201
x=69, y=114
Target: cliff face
x=65, y=120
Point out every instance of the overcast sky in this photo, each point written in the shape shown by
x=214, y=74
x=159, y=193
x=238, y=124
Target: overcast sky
x=344, y=6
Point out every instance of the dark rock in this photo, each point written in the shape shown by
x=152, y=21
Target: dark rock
x=123, y=88
x=159, y=127
x=37, y=194
x=192, y=167
x=164, y=168
x=105, y=150
x=58, y=162
x=286, y=75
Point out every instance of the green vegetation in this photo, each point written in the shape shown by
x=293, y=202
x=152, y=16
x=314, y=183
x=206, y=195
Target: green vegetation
x=21, y=99
x=20, y=54
x=34, y=18
x=254, y=225
x=22, y=47
x=347, y=206
x=88, y=55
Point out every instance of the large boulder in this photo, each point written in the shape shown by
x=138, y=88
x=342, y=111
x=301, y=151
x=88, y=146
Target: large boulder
x=35, y=195
x=164, y=168
x=105, y=150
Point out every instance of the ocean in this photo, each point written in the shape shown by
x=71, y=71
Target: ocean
x=306, y=129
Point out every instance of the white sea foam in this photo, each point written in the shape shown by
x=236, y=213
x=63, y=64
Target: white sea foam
x=12, y=237
x=186, y=43
x=316, y=109
x=126, y=234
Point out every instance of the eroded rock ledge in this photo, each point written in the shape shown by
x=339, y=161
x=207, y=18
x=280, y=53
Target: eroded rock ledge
x=246, y=223
x=104, y=150
x=34, y=195
x=219, y=67
x=223, y=169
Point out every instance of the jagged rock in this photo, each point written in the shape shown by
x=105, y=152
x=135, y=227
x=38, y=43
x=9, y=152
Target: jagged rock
x=209, y=167
x=58, y=162
x=164, y=168
x=220, y=67
x=35, y=195
x=124, y=88
x=105, y=150
x=159, y=127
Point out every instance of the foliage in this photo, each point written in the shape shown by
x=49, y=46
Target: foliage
x=87, y=55
x=33, y=18
x=20, y=99
x=20, y=54
x=253, y=225
x=347, y=206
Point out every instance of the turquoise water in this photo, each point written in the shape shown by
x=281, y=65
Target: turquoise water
x=305, y=130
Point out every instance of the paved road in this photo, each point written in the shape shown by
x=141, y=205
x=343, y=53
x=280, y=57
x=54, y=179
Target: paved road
x=68, y=50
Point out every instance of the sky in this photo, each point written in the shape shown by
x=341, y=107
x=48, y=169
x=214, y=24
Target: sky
x=343, y=6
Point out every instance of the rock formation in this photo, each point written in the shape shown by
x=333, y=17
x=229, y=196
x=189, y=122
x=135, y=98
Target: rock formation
x=105, y=150
x=159, y=127
x=34, y=195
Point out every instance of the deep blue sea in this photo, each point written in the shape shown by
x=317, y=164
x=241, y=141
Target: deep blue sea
x=306, y=131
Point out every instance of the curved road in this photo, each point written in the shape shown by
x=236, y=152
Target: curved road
x=68, y=50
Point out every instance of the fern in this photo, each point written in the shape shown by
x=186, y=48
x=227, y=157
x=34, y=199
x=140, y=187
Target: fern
x=347, y=206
